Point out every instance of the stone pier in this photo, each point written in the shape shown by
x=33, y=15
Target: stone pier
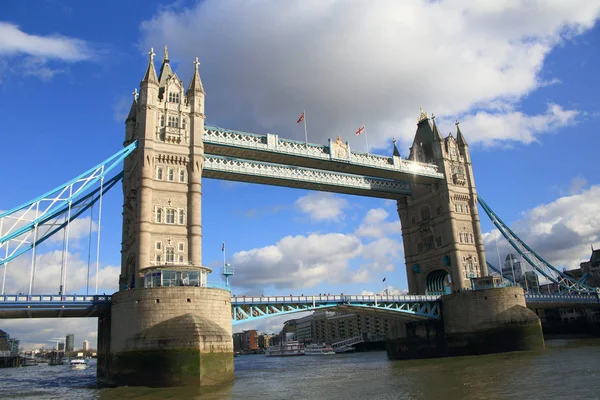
x=169, y=336
x=474, y=322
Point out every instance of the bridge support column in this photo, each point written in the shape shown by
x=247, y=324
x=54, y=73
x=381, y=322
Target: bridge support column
x=490, y=321
x=170, y=336
x=474, y=322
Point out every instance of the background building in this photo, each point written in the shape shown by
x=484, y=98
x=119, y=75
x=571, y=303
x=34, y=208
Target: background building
x=86, y=345
x=330, y=327
x=70, y=342
x=513, y=269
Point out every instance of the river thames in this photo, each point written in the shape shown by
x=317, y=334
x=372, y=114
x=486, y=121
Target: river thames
x=567, y=369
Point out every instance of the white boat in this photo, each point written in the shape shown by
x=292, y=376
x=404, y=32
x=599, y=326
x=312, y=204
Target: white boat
x=318, y=350
x=292, y=348
x=78, y=363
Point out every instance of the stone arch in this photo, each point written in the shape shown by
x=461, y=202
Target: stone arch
x=438, y=282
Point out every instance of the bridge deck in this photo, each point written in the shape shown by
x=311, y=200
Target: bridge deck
x=250, y=308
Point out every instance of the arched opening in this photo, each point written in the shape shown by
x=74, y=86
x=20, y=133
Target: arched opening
x=438, y=282
x=425, y=214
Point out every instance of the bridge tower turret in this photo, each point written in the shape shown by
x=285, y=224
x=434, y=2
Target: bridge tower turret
x=167, y=327
x=443, y=245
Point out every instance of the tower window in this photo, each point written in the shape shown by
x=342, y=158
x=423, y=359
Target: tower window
x=181, y=176
x=181, y=259
x=162, y=121
x=456, y=207
x=173, y=122
x=159, y=215
x=159, y=174
x=170, y=255
x=471, y=237
x=460, y=237
x=158, y=245
x=170, y=216
x=171, y=176
x=158, y=259
x=181, y=217
x=180, y=246
x=183, y=123
x=173, y=97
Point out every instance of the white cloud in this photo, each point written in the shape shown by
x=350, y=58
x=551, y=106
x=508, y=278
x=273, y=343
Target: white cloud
x=577, y=184
x=375, y=225
x=25, y=54
x=14, y=41
x=47, y=275
x=38, y=333
x=561, y=231
x=322, y=206
x=301, y=262
x=374, y=63
x=492, y=129
x=297, y=262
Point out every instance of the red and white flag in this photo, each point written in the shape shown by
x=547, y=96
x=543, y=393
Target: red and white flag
x=301, y=118
x=360, y=130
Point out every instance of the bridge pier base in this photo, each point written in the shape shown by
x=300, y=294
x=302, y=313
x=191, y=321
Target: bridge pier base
x=474, y=322
x=168, y=336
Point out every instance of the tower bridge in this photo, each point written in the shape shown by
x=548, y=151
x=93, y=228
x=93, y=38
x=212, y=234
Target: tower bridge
x=166, y=312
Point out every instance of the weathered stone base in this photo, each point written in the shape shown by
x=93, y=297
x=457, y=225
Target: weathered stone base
x=475, y=322
x=170, y=367
x=172, y=336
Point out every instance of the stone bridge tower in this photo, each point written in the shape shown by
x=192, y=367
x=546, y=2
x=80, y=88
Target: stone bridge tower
x=166, y=326
x=443, y=245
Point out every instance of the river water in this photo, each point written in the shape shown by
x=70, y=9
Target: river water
x=567, y=369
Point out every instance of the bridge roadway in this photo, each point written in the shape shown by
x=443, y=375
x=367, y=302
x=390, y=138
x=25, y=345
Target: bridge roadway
x=250, y=308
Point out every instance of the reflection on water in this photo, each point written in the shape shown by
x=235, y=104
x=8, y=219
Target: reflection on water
x=568, y=369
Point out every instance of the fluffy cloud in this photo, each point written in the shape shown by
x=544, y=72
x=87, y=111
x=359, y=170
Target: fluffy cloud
x=34, y=55
x=301, y=262
x=375, y=225
x=373, y=63
x=47, y=275
x=322, y=206
x=491, y=129
x=38, y=333
x=561, y=231
x=297, y=262
x=14, y=41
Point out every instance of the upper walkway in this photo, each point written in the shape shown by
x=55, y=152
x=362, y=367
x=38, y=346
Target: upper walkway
x=336, y=157
x=246, y=308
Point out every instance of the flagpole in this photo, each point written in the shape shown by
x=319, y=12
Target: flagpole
x=305, y=132
x=223, y=256
x=367, y=143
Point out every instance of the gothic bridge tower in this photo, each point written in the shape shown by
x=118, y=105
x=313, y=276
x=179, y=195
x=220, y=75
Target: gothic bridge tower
x=166, y=326
x=443, y=245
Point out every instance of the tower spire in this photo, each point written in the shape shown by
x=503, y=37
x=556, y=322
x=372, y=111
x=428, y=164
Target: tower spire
x=150, y=75
x=133, y=109
x=396, y=152
x=436, y=132
x=459, y=136
x=195, y=83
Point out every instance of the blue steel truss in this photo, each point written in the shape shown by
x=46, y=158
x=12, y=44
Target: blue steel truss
x=251, y=308
x=566, y=283
x=19, y=226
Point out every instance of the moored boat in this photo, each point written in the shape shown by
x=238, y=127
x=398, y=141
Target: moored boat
x=78, y=363
x=292, y=348
x=318, y=350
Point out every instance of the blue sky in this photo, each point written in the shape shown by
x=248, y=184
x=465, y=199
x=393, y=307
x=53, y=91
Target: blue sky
x=521, y=77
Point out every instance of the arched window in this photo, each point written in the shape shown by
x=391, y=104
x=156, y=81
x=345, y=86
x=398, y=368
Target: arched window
x=456, y=207
x=162, y=121
x=177, y=122
x=158, y=259
x=181, y=176
x=181, y=217
x=460, y=237
x=425, y=214
x=461, y=208
x=183, y=123
x=159, y=175
x=171, y=176
x=159, y=215
x=471, y=237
